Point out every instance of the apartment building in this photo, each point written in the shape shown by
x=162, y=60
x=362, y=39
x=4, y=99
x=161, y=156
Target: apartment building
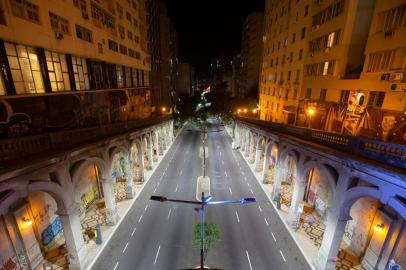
x=251, y=47
x=351, y=78
x=76, y=62
x=286, y=28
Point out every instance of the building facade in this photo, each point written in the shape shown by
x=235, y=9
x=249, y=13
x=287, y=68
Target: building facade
x=350, y=76
x=184, y=86
x=251, y=48
x=236, y=75
x=77, y=63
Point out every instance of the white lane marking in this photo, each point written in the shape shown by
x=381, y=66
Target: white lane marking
x=236, y=214
x=139, y=220
x=135, y=228
x=251, y=191
x=260, y=209
x=126, y=245
x=169, y=214
x=154, y=190
x=273, y=236
x=226, y=173
x=115, y=267
x=157, y=253
x=242, y=172
x=248, y=257
x=230, y=191
x=222, y=162
x=176, y=189
x=180, y=172
x=283, y=257
x=220, y=153
x=266, y=221
x=146, y=207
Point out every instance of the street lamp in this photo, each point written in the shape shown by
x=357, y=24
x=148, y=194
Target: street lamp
x=204, y=201
x=310, y=112
x=163, y=109
x=245, y=110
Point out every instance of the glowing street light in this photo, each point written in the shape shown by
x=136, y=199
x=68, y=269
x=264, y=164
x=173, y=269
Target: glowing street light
x=254, y=110
x=164, y=109
x=310, y=112
x=239, y=110
x=245, y=110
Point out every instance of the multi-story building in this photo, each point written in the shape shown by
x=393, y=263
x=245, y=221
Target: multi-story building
x=77, y=63
x=236, y=76
x=219, y=66
x=184, y=83
x=285, y=40
x=164, y=54
x=347, y=72
x=251, y=47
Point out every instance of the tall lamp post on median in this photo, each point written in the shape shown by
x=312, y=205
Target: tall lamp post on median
x=204, y=201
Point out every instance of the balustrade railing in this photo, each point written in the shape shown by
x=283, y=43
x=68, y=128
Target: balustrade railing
x=26, y=146
x=388, y=153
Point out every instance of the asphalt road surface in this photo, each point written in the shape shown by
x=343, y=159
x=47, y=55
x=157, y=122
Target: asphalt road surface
x=159, y=235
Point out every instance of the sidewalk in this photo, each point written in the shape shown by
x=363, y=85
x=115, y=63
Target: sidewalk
x=308, y=237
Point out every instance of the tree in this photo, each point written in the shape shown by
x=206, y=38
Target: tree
x=211, y=236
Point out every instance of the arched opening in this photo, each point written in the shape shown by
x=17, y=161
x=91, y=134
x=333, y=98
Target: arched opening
x=120, y=172
x=288, y=179
x=260, y=154
x=270, y=163
x=374, y=237
x=136, y=160
x=147, y=153
x=31, y=231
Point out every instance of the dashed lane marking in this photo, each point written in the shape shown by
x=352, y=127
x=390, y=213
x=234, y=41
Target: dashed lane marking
x=169, y=214
x=266, y=221
x=126, y=245
x=259, y=207
x=230, y=191
x=135, y=228
x=238, y=219
x=139, y=220
x=249, y=261
x=157, y=253
x=283, y=257
x=273, y=236
x=115, y=266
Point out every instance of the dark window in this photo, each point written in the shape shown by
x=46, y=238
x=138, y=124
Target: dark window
x=306, y=12
x=25, y=10
x=123, y=49
x=58, y=23
x=376, y=98
x=308, y=93
x=323, y=93
x=113, y=45
x=83, y=33
x=293, y=37
x=2, y=16
x=303, y=32
x=345, y=94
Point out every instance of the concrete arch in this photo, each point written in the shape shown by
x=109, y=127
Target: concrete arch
x=307, y=167
x=115, y=149
x=288, y=151
x=353, y=194
x=398, y=206
x=78, y=168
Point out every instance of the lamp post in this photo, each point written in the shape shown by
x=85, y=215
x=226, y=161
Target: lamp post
x=204, y=201
x=310, y=112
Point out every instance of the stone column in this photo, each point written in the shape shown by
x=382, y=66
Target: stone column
x=297, y=198
x=155, y=145
x=72, y=231
x=149, y=153
x=160, y=145
x=335, y=226
x=266, y=165
x=276, y=188
x=130, y=191
x=247, y=150
x=258, y=155
x=251, y=153
x=110, y=201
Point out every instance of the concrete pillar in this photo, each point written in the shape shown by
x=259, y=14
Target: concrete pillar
x=248, y=146
x=335, y=226
x=160, y=145
x=72, y=231
x=141, y=160
x=266, y=165
x=251, y=152
x=130, y=191
x=297, y=198
x=276, y=188
x=258, y=155
x=110, y=201
x=149, y=153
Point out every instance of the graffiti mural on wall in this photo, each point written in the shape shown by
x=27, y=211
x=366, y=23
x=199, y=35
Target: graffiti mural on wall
x=358, y=119
x=33, y=115
x=52, y=231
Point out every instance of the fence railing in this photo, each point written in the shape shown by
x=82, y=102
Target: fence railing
x=26, y=146
x=387, y=153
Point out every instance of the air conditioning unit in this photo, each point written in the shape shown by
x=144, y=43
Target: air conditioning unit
x=315, y=27
x=85, y=15
x=58, y=35
x=394, y=87
x=396, y=76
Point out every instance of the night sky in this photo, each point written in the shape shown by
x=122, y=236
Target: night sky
x=209, y=28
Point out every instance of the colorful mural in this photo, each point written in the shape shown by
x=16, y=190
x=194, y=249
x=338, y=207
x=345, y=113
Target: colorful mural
x=37, y=114
x=51, y=232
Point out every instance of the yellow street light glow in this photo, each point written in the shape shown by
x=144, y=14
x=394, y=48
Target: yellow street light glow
x=245, y=110
x=379, y=227
x=163, y=109
x=239, y=110
x=27, y=221
x=254, y=110
x=311, y=111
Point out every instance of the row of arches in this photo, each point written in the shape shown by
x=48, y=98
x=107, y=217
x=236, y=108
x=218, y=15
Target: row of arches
x=51, y=212
x=341, y=208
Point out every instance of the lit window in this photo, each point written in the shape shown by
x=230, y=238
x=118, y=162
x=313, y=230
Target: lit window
x=80, y=73
x=330, y=40
x=325, y=68
x=25, y=69
x=2, y=88
x=58, y=71
x=120, y=76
